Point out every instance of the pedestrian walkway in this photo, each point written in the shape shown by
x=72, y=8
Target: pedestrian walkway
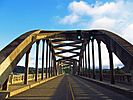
x=20, y=87
x=55, y=89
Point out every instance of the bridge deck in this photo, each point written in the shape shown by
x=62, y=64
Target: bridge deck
x=67, y=87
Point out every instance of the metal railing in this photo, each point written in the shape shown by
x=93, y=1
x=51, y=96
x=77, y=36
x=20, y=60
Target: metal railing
x=120, y=78
x=14, y=79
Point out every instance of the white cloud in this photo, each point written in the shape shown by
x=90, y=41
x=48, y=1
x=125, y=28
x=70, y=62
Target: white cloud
x=82, y=8
x=115, y=16
x=79, y=8
x=103, y=23
x=70, y=19
x=128, y=33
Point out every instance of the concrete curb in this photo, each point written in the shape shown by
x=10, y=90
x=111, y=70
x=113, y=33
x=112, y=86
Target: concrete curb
x=116, y=88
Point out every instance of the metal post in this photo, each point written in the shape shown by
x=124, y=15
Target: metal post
x=89, y=59
x=75, y=65
x=26, y=67
x=47, y=59
x=37, y=51
x=100, y=60
x=55, y=70
x=5, y=85
x=85, y=63
x=93, y=60
x=79, y=65
x=49, y=63
x=52, y=70
x=111, y=65
x=53, y=64
x=82, y=65
x=43, y=59
x=55, y=67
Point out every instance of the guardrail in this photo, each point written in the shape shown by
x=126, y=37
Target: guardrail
x=14, y=79
x=121, y=78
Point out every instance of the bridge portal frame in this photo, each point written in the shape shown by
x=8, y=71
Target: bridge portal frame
x=12, y=53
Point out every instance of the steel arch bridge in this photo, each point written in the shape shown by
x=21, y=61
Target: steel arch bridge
x=57, y=40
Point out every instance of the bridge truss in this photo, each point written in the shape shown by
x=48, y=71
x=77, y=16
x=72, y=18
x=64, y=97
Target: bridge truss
x=58, y=43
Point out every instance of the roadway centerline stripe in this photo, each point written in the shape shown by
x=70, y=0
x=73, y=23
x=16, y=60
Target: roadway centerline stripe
x=73, y=98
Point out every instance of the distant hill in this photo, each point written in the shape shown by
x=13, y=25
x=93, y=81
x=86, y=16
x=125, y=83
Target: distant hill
x=18, y=69
x=21, y=69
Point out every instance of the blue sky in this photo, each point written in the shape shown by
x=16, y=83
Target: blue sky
x=19, y=16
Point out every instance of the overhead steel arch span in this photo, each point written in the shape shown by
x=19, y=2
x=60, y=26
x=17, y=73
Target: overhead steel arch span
x=12, y=53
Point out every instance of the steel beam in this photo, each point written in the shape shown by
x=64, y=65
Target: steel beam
x=85, y=63
x=89, y=59
x=68, y=44
x=49, y=62
x=100, y=60
x=26, y=67
x=64, y=51
x=46, y=58
x=5, y=85
x=43, y=44
x=93, y=58
x=37, y=52
x=111, y=65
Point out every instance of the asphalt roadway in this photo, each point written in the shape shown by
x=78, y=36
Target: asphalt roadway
x=68, y=87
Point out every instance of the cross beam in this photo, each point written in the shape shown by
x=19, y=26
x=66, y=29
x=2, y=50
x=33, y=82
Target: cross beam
x=64, y=51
